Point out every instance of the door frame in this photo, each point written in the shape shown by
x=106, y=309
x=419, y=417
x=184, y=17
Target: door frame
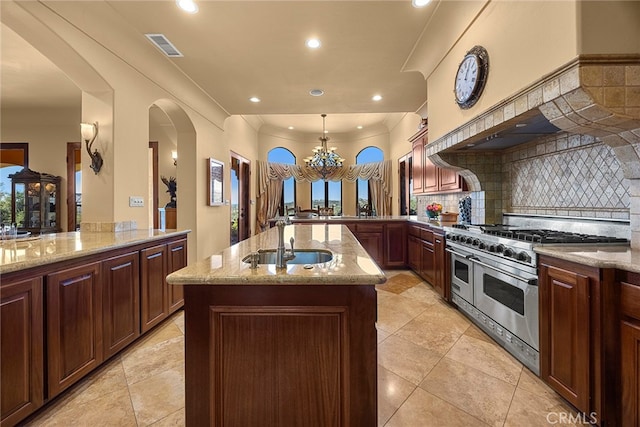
x=72, y=147
x=154, y=153
x=244, y=188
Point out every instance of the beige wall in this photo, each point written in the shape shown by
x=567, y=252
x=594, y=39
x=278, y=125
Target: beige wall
x=518, y=36
x=608, y=27
x=400, y=146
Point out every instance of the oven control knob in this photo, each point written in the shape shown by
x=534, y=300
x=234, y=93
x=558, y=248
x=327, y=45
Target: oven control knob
x=469, y=240
x=475, y=242
x=508, y=252
x=482, y=245
x=523, y=256
x=492, y=248
x=500, y=248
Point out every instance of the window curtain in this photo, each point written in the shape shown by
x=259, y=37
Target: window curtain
x=269, y=193
x=270, y=176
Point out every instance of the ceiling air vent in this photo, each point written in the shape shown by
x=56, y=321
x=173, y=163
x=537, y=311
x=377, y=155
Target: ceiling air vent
x=164, y=45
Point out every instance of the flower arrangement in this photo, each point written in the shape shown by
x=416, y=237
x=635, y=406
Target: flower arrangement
x=433, y=210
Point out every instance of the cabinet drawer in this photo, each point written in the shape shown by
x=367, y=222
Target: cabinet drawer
x=426, y=235
x=630, y=300
x=414, y=230
x=369, y=228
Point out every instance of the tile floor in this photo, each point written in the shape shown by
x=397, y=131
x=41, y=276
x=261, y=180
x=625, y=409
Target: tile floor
x=434, y=369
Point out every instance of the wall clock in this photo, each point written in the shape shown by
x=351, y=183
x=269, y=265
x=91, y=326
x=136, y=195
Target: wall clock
x=471, y=77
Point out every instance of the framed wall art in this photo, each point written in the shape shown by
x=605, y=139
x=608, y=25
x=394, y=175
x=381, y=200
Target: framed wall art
x=216, y=182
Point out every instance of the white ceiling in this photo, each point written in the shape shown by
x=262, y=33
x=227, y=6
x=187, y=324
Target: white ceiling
x=237, y=49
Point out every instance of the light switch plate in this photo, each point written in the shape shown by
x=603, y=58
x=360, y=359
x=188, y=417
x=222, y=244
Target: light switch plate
x=136, y=201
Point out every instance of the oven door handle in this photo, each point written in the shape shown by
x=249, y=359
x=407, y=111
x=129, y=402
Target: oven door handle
x=470, y=257
x=531, y=282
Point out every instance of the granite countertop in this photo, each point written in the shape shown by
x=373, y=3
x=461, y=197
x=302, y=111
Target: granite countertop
x=30, y=252
x=350, y=265
x=601, y=256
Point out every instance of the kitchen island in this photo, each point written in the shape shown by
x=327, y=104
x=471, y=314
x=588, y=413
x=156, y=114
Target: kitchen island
x=290, y=346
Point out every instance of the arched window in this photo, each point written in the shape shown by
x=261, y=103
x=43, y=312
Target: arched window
x=282, y=155
x=367, y=155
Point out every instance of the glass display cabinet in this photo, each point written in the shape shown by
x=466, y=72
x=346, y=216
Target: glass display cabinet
x=35, y=201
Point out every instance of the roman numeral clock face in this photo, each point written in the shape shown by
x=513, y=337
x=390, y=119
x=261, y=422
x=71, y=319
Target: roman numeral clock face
x=471, y=77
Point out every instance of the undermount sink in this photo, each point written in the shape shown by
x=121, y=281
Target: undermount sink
x=303, y=256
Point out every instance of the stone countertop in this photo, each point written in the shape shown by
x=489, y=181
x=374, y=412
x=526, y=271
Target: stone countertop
x=601, y=256
x=351, y=265
x=30, y=252
x=342, y=218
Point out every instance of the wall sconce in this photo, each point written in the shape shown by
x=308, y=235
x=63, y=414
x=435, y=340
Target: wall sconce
x=174, y=156
x=89, y=132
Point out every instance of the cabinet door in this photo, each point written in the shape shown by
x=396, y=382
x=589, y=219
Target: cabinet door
x=153, y=286
x=428, y=266
x=416, y=164
x=414, y=249
x=450, y=180
x=74, y=325
x=431, y=183
x=395, y=250
x=121, y=302
x=630, y=373
x=565, y=334
x=440, y=265
x=21, y=349
x=177, y=260
x=372, y=243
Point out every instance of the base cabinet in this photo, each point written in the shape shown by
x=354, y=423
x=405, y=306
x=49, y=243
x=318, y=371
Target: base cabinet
x=565, y=333
x=153, y=286
x=74, y=325
x=414, y=253
x=121, y=302
x=629, y=348
x=177, y=259
x=395, y=247
x=426, y=256
x=21, y=349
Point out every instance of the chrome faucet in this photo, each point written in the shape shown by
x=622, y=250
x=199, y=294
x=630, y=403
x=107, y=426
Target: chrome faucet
x=282, y=255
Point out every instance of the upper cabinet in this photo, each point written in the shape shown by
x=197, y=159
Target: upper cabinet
x=427, y=177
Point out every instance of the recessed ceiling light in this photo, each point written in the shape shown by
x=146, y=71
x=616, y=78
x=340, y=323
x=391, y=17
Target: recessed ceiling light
x=254, y=99
x=359, y=127
x=313, y=43
x=376, y=97
x=291, y=128
x=316, y=92
x=420, y=3
x=188, y=6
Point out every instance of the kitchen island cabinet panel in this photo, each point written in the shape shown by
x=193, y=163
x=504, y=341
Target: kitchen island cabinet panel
x=121, y=302
x=74, y=325
x=177, y=259
x=154, y=288
x=565, y=332
x=315, y=349
x=21, y=349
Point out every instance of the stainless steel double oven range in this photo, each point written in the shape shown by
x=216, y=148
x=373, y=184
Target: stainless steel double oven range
x=494, y=281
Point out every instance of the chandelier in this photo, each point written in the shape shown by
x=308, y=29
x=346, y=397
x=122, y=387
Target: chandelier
x=324, y=160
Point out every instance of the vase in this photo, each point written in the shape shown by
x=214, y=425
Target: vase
x=432, y=215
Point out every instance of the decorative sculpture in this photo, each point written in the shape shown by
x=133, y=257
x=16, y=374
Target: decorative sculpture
x=172, y=187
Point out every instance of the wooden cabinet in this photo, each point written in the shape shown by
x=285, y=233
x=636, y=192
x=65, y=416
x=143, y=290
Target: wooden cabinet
x=281, y=355
x=570, y=331
x=427, y=177
x=74, y=325
x=177, y=259
x=417, y=156
x=21, y=349
x=629, y=348
x=442, y=266
x=373, y=244
x=428, y=262
x=395, y=244
x=121, y=302
x=40, y=212
x=414, y=253
x=153, y=286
